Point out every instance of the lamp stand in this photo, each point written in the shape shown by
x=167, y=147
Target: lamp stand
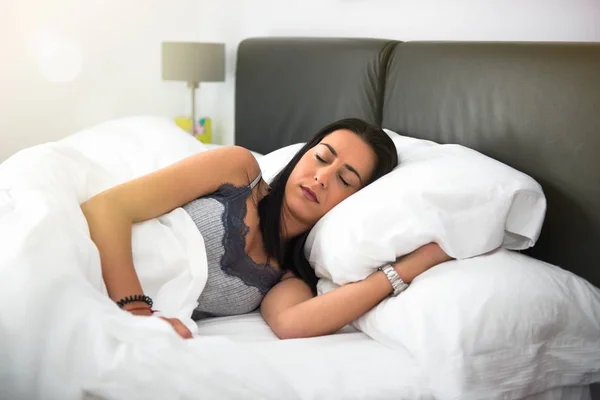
x=193, y=86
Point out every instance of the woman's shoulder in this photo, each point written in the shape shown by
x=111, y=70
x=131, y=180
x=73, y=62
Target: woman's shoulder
x=244, y=159
x=231, y=166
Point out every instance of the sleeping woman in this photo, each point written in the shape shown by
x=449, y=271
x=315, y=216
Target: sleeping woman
x=254, y=232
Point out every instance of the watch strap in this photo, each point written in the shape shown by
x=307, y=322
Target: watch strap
x=397, y=283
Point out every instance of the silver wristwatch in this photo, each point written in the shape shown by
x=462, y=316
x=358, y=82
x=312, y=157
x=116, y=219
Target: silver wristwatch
x=397, y=282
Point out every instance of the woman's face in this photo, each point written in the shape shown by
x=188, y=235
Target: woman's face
x=340, y=165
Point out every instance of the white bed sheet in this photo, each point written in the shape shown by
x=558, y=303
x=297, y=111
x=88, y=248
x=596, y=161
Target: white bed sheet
x=347, y=365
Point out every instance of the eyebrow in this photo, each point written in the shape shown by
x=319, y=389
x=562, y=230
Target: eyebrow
x=348, y=166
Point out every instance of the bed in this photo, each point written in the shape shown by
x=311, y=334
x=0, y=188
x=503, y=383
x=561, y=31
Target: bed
x=531, y=106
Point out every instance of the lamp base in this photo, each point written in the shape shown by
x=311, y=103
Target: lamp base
x=193, y=86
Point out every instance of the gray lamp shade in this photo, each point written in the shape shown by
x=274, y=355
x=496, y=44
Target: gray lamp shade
x=193, y=62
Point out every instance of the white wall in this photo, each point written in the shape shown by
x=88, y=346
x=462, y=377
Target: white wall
x=68, y=64
x=119, y=45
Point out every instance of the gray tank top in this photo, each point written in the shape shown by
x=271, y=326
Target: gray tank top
x=236, y=284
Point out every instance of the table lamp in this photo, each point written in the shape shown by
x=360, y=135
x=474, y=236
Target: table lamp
x=193, y=63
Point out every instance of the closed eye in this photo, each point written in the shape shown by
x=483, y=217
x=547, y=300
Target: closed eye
x=344, y=182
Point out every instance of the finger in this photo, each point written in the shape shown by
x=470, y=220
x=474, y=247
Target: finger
x=179, y=327
x=183, y=330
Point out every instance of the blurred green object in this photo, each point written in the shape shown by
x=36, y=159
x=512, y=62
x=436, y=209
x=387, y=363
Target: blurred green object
x=202, y=128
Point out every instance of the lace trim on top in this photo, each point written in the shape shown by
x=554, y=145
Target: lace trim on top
x=235, y=261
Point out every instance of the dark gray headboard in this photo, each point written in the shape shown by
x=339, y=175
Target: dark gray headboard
x=288, y=88
x=535, y=107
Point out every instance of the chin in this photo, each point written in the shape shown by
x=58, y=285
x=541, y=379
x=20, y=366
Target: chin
x=304, y=211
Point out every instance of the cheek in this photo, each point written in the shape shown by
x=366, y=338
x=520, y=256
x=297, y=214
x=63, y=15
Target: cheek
x=335, y=197
x=299, y=170
x=293, y=179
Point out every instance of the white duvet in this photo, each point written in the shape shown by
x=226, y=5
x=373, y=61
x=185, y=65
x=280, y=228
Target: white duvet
x=61, y=337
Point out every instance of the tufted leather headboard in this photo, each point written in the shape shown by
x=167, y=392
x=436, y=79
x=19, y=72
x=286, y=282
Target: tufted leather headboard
x=533, y=106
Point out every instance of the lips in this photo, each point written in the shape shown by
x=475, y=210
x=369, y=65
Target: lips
x=309, y=194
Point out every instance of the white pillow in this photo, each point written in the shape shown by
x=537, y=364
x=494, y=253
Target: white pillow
x=501, y=325
x=467, y=202
x=136, y=145
x=132, y=146
x=272, y=163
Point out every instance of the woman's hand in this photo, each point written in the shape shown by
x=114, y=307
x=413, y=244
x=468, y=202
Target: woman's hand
x=419, y=261
x=179, y=327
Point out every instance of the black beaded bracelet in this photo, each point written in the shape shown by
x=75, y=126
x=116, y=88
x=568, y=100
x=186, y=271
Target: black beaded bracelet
x=136, y=297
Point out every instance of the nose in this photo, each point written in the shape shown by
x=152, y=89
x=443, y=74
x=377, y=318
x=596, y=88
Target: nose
x=322, y=177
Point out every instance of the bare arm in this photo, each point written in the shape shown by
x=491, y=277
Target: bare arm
x=111, y=214
x=292, y=311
